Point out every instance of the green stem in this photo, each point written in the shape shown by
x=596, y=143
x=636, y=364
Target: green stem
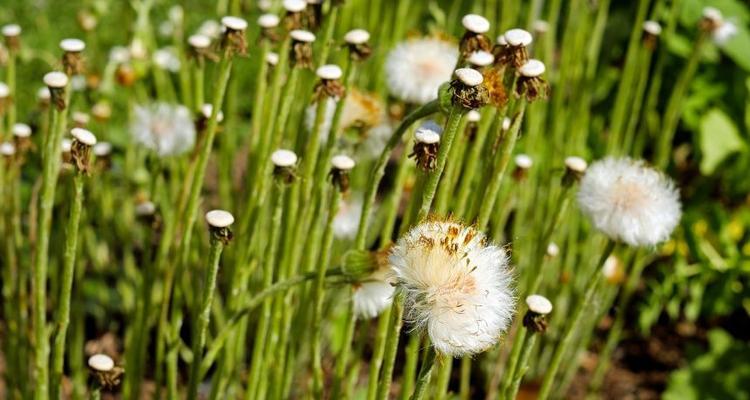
x=576, y=317
x=443, y=377
x=391, y=345
x=425, y=373
x=340, y=383
x=377, y=354
x=63, y=310
x=522, y=367
x=204, y=314
x=515, y=354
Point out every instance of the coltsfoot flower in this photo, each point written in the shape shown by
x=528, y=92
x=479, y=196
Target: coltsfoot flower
x=164, y=128
x=373, y=295
x=458, y=286
x=415, y=69
x=629, y=201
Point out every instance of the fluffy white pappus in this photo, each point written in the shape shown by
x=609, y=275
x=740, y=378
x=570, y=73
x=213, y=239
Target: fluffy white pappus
x=458, y=286
x=415, y=69
x=373, y=295
x=726, y=31
x=164, y=128
x=629, y=202
x=346, y=221
x=375, y=141
x=360, y=110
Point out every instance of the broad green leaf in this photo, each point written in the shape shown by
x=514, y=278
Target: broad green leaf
x=719, y=138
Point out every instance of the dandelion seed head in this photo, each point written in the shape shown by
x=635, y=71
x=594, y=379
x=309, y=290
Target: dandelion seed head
x=11, y=30
x=163, y=128
x=329, y=72
x=219, y=218
x=42, y=94
x=475, y=23
x=4, y=90
x=102, y=149
x=199, y=41
x=21, y=130
x=469, y=77
x=652, y=27
x=65, y=145
x=78, y=83
x=553, y=250
x=234, y=23
x=539, y=304
x=429, y=132
x=72, y=45
x=207, y=109
x=357, y=36
x=457, y=286
x=576, y=164
x=532, y=68
x=210, y=28
x=138, y=49
x=346, y=221
x=294, y=6
x=342, y=162
x=272, y=58
x=373, y=295
x=145, y=209
x=361, y=110
x=55, y=80
x=101, y=363
x=518, y=37
x=81, y=118
x=7, y=149
x=523, y=161
x=481, y=58
x=302, y=36
x=416, y=68
x=724, y=32
x=119, y=55
x=84, y=136
x=283, y=158
x=629, y=201
x=540, y=27
x=268, y=21
x=473, y=116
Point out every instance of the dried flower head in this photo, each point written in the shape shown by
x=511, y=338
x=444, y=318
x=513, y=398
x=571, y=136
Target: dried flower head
x=356, y=40
x=233, y=39
x=468, y=89
x=426, y=145
x=458, y=287
x=341, y=165
x=72, y=61
x=629, y=201
x=539, y=307
x=285, y=162
x=475, y=39
x=415, y=69
x=512, y=48
x=530, y=82
x=164, y=128
x=330, y=84
x=301, y=53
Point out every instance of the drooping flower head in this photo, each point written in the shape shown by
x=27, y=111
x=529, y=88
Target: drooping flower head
x=629, y=201
x=375, y=293
x=457, y=285
x=164, y=128
x=415, y=69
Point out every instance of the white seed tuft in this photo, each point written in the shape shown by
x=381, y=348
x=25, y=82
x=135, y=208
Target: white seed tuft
x=145, y=208
x=268, y=21
x=7, y=149
x=357, y=36
x=553, y=249
x=428, y=133
x=84, y=136
x=207, y=109
x=295, y=5
x=473, y=116
x=234, y=23
x=11, y=30
x=329, y=72
x=713, y=14
x=219, y=218
x=101, y=362
x=475, y=23
x=272, y=58
x=506, y=123
x=416, y=68
x=481, y=58
x=523, y=161
x=302, y=36
x=469, y=76
x=102, y=149
x=21, y=130
x=66, y=145
x=652, y=28
x=539, y=304
x=4, y=90
x=283, y=158
x=342, y=162
x=55, y=80
x=576, y=164
x=199, y=41
x=518, y=37
x=532, y=68
x=42, y=94
x=72, y=45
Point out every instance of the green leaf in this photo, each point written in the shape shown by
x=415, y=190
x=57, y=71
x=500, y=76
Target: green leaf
x=719, y=138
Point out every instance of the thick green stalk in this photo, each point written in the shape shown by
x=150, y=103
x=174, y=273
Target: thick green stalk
x=391, y=345
x=51, y=160
x=522, y=367
x=379, y=168
x=576, y=316
x=319, y=294
x=505, y=152
x=464, y=188
x=410, y=364
x=425, y=373
x=521, y=337
x=443, y=378
x=464, y=389
x=204, y=313
x=340, y=383
x=377, y=354
x=63, y=307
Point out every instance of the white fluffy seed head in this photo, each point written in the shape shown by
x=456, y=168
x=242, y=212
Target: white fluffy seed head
x=283, y=158
x=272, y=58
x=428, y=133
x=475, y=23
x=629, y=202
x=101, y=362
x=576, y=164
x=219, y=218
x=11, y=30
x=303, y=36
x=165, y=128
x=145, y=208
x=295, y=5
x=473, y=116
x=469, y=76
x=21, y=130
x=357, y=36
x=55, y=80
x=652, y=28
x=66, y=145
x=102, y=149
x=84, y=136
x=553, y=250
x=207, y=109
x=268, y=21
x=199, y=41
x=457, y=286
x=713, y=14
x=373, y=295
x=42, y=94
x=518, y=37
x=523, y=161
x=329, y=72
x=532, y=68
x=7, y=149
x=234, y=23
x=501, y=40
x=481, y=58
x=342, y=162
x=72, y=45
x=416, y=68
x=539, y=304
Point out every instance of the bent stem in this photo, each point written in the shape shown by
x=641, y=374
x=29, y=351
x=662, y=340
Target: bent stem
x=69, y=260
x=577, y=315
